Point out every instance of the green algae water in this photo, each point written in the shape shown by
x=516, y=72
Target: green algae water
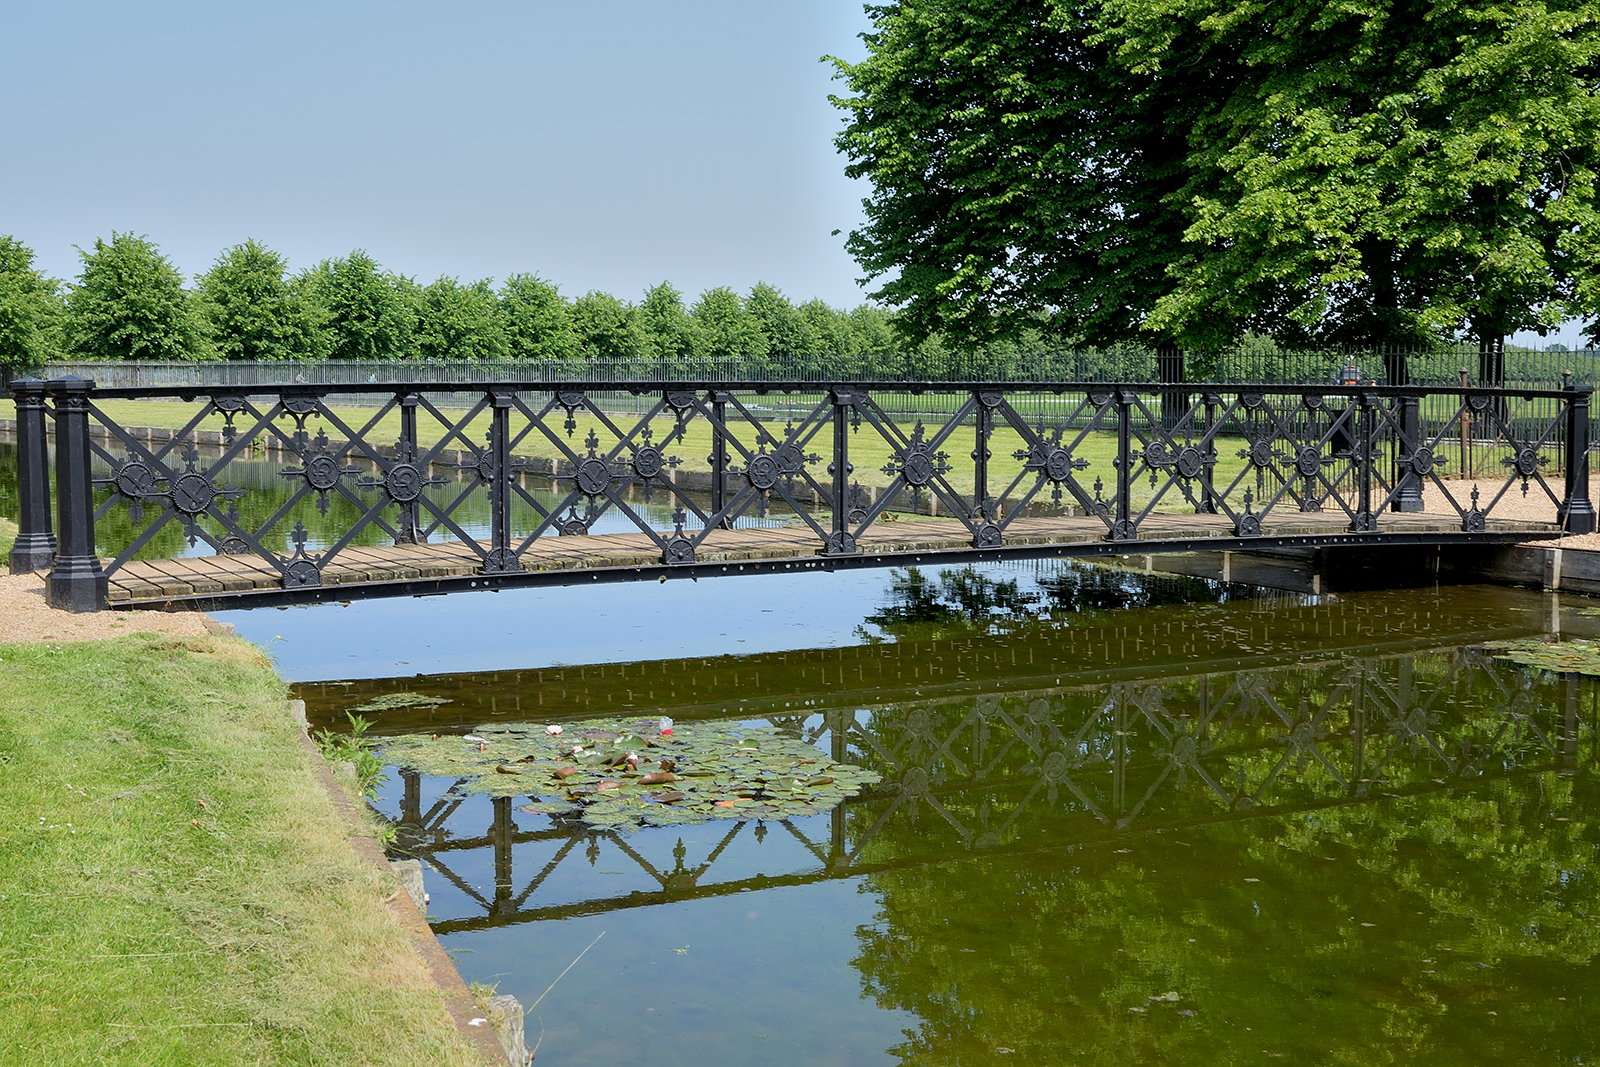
x=1117, y=819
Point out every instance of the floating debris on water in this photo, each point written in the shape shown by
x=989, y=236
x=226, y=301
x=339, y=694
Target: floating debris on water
x=1575, y=656
x=710, y=770
x=395, y=701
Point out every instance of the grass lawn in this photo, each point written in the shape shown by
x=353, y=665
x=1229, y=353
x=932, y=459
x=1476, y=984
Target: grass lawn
x=175, y=888
x=8, y=537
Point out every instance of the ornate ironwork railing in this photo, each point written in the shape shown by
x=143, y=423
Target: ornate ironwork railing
x=832, y=461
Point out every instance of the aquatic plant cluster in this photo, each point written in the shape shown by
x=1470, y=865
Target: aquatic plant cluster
x=646, y=772
x=1575, y=656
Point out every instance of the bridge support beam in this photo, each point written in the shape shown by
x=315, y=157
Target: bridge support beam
x=76, y=582
x=1577, y=514
x=36, y=544
x=841, y=542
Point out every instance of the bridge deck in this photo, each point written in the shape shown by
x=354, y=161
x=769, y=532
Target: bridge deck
x=364, y=571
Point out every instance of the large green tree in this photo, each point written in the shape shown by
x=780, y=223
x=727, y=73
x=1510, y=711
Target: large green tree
x=1378, y=172
x=1365, y=171
x=1018, y=182
x=727, y=326
x=609, y=328
x=30, y=308
x=673, y=332
x=129, y=304
x=248, y=309
x=534, y=320
x=456, y=321
x=366, y=312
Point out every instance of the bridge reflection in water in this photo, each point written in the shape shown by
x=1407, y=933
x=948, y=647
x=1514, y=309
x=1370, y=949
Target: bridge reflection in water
x=1047, y=771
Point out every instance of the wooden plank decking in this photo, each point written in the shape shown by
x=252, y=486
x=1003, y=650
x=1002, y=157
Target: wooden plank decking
x=153, y=582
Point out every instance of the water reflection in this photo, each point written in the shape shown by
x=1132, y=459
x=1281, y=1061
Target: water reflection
x=1054, y=769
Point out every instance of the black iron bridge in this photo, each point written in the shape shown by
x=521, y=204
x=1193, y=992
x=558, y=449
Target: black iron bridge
x=395, y=488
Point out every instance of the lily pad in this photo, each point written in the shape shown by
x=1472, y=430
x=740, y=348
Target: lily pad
x=1576, y=656
x=395, y=701
x=756, y=772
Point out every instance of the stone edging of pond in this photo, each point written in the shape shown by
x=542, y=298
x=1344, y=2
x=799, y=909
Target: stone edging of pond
x=495, y=1047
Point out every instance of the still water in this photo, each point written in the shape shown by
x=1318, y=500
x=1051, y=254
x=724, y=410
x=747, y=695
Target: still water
x=1123, y=819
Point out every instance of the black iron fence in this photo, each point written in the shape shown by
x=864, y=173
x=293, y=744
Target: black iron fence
x=833, y=460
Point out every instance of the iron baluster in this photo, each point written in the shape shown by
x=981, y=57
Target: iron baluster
x=1577, y=514
x=1208, y=500
x=985, y=511
x=719, y=457
x=501, y=558
x=36, y=544
x=841, y=541
x=409, y=526
x=1123, y=529
x=1409, y=497
x=1364, y=521
x=75, y=582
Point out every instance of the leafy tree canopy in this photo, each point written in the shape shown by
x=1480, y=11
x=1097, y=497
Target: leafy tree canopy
x=367, y=312
x=30, y=308
x=534, y=319
x=674, y=333
x=456, y=321
x=129, y=304
x=1187, y=170
x=609, y=328
x=728, y=327
x=247, y=308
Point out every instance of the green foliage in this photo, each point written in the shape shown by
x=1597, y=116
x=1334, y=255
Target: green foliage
x=366, y=313
x=1017, y=183
x=609, y=328
x=534, y=320
x=129, y=304
x=247, y=309
x=727, y=327
x=1190, y=170
x=673, y=332
x=357, y=749
x=694, y=773
x=30, y=308
x=456, y=321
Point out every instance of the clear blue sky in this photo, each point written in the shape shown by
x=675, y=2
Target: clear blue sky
x=605, y=144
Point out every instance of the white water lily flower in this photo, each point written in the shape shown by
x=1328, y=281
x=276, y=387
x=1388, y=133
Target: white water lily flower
x=552, y=730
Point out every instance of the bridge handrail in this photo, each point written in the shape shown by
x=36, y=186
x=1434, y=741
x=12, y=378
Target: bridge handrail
x=1363, y=450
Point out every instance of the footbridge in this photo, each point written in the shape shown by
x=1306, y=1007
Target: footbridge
x=251, y=495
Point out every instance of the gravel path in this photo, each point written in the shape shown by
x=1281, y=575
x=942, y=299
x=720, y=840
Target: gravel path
x=24, y=616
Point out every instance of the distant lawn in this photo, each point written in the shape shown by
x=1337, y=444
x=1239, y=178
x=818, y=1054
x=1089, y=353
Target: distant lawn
x=8, y=537
x=174, y=885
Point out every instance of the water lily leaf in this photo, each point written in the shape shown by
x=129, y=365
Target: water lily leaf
x=722, y=770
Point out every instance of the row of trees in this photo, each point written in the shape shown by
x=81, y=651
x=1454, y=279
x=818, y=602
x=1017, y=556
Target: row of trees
x=1190, y=172
x=130, y=303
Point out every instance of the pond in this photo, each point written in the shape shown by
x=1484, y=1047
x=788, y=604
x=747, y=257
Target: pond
x=1121, y=818
x=1118, y=818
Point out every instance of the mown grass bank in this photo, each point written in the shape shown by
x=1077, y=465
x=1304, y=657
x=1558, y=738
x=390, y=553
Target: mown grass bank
x=8, y=537
x=175, y=887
